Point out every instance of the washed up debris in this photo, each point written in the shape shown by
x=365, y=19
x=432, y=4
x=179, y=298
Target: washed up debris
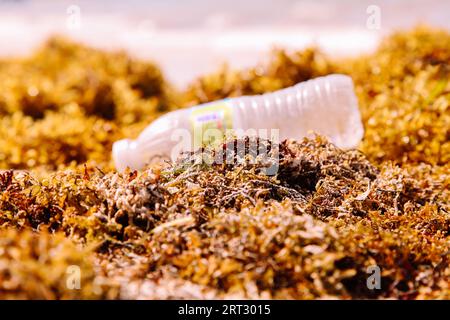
x=198, y=229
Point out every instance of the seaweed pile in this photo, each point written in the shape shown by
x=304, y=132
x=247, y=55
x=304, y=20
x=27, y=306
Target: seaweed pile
x=99, y=97
x=191, y=229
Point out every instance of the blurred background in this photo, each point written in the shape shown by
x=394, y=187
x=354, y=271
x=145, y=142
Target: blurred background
x=192, y=37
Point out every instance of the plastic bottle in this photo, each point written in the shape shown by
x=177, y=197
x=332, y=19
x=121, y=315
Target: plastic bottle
x=326, y=105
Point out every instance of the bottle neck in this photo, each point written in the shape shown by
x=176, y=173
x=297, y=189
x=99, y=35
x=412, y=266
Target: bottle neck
x=126, y=154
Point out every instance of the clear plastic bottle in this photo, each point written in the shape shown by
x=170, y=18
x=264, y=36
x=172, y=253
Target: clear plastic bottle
x=326, y=105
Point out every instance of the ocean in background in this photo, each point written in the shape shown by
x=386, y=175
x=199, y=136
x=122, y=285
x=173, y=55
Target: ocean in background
x=192, y=37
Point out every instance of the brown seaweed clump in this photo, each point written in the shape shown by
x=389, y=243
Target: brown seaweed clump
x=280, y=71
x=213, y=224
x=229, y=230
x=45, y=266
x=67, y=104
x=404, y=95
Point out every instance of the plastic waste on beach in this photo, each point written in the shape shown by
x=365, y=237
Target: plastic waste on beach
x=325, y=105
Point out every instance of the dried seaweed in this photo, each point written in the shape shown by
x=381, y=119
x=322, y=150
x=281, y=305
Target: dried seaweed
x=37, y=266
x=200, y=229
x=98, y=96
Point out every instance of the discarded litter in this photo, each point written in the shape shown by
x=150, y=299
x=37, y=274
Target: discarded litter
x=325, y=105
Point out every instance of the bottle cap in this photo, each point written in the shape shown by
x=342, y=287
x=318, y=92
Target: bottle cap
x=123, y=153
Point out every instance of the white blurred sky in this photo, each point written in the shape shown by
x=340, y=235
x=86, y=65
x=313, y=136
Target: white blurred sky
x=192, y=37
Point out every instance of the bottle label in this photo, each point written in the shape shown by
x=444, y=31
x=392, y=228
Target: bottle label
x=210, y=121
